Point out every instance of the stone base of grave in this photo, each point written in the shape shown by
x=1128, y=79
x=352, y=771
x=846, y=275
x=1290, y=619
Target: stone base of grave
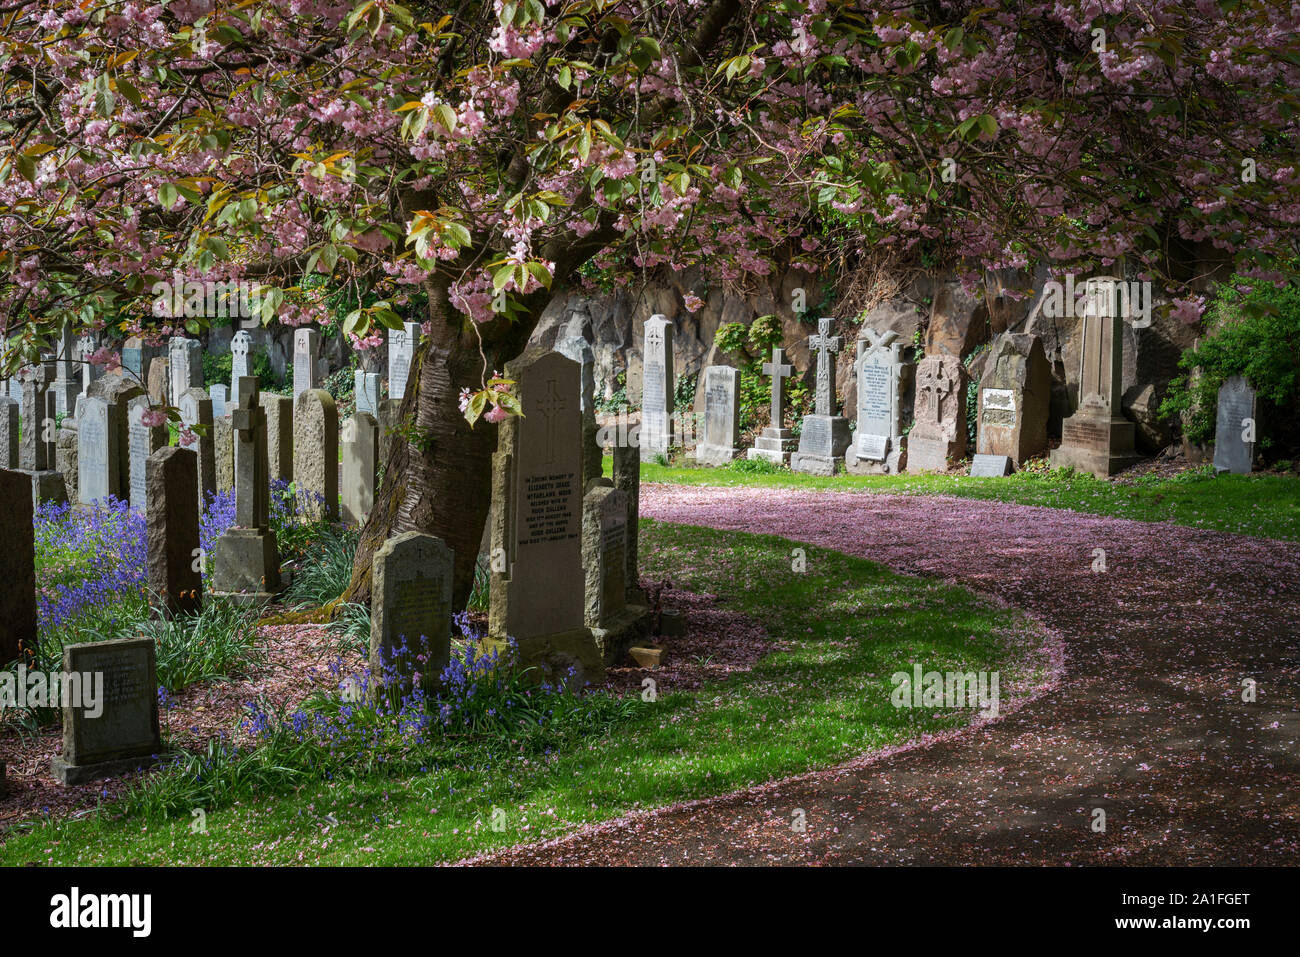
x=70, y=775
x=571, y=658
x=991, y=466
x=814, y=464
x=715, y=454
x=1102, y=446
x=631, y=626
x=895, y=461
x=47, y=486
x=247, y=566
x=774, y=445
x=925, y=454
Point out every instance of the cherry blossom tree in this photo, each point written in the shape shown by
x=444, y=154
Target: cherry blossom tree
x=468, y=161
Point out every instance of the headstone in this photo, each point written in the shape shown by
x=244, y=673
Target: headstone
x=824, y=435
x=537, y=589
x=879, y=446
x=411, y=607
x=1015, y=397
x=579, y=350
x=721, y=416
x=142, y=442
x=17, y=567
x=86, y=346
x=306, y=349
x=316, y=455
x=1097, y=438
x=657, y=388
x=197, y=409
x=125, y=735
x=65, y=454
x=99, y=452
x=627, y=479
x=994, y=466
x=247, y=562
x=1234, y=428
x=279, y=436
x=939, y=432
x=67, y=384
x=9, y=428
x=360, y=464
x=133, y=357
x=36, y=448
x=223, y=453
x=241, y=343
x=220, y=396
x=402, y=344
x=159, y=380
x=185, y=367
x=775, y=443
x=172, y=523
x=366, y=390
x=604, y=556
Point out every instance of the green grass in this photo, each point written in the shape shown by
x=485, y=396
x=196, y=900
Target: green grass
x=823, y=699
x=1265, y=504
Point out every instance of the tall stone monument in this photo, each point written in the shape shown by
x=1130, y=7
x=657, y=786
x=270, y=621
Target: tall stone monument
x=879, y=446
x=579, y=350
x=247, y=562
x=776, y=442
x=17, y=567
x=316, y=455
x=657, y=387
x=196, y=409
x=172, y=528
x=402, y=344
x=142, y=442
x=824, y=437
x=938, y=434
x=1015, y=396
x=718, y=444
x=184, y=367
x=360, y=465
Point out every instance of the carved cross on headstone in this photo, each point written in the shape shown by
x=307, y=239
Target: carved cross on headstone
x=779, y=372
x=936, y=383
x=548, y=405
x=825, y=345
x=871, y=342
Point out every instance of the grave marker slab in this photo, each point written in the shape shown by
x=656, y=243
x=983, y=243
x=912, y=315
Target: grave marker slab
x=142, y=442
x=306, y=353
x=879, y=446
x=185, y=367
x=365, y=386
x=657, y=387
x=411, y=607
x=824, y=436
x=991, y=466
x=17, y=567
x=247, y=562
x=220, y=398
x=99, y=451
x=579, y=350
x=721, y=416
x=279, y=436
x=9, y=428
x=1234, y=429
x=627, y=479
x=316, y=455
x=172, y=529
x=360, y=465
x=159, y=380
x=197, y=409
x=1014, y=399
x=939, y=432
x=402, y=344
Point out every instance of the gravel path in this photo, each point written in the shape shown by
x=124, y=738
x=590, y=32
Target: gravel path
x=1148, y=722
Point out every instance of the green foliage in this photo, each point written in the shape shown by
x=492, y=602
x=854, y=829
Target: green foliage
x=618, y=401
x=218, y=367
x=750, y=345
x=325, y=568
x=480, y=592
x=1253, y=333
x=753, y=466
x=351, y=628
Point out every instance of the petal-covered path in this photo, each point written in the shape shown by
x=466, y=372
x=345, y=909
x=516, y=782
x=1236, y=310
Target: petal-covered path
x=1147, y=724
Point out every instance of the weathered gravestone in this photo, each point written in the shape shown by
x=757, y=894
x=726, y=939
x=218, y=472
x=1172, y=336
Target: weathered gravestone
x=538, y=586
x=241, y=343
x=401, y=353
x=879, y=446
x=939, y=432
x=36, y=449
x=279, y=436
x=137, y=357
x=717, y=446
x=824, y=436
x=223, y=453
x=306, y=353
x=197, y=410
x=220, y=398
x=124, y=735
x=86, y=347
x=627, y=479
x=775, y=443
x=247, y=562
x=99, y=452
x=579, y=350
x=172, y=524
x=142, y=442
x=159, y=380
x=360, y=464
x=65, y=453
x=17, y=567
x=990, y=466
x=1014, y=398
x=1097, y=438
x=365, y=386
x=66, y=385
x=185, y=367
x=1234, y=428
x=316, y=455
x=657, y=387
x=9, y=428
x=614, y=623
x=410, y=609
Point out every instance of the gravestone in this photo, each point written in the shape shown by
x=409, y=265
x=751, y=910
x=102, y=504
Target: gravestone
x=604, y=556
x=9, y=428
x=990, y=466
x=410, y=607
x=241, y=343
x=17, y=567
x=279, y=436
x=99, y=451
x=1097, y=438
x=66, y=385
x=197, y=409
x=172, y=529
x=142, y=442
x=1234, y=428
x=86, y=347
x=402, y=344
x=247, y=563
x=36, y=448
x=939, y=432
x=220, y=396
x=657, y=388
x=879, y=446
x=185, y=367
x=1015, y=396
x=775, y=443
x=579, y=350
x=721, y=416
x=306, y=352
x=316, y=455
x=627, y=479
x=824, y=437
x=360, y=464
x=159, y=380
x=125, y=735
x=137, y=356
x=365, y=386
x=223, y=453
x=538, y=586
x=65, y=454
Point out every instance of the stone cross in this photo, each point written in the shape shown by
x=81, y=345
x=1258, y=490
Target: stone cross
x=779, y=371
x=239, y=347
x=252, y=505
x=549, y=405
x=936, y=383
x=825, y=345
